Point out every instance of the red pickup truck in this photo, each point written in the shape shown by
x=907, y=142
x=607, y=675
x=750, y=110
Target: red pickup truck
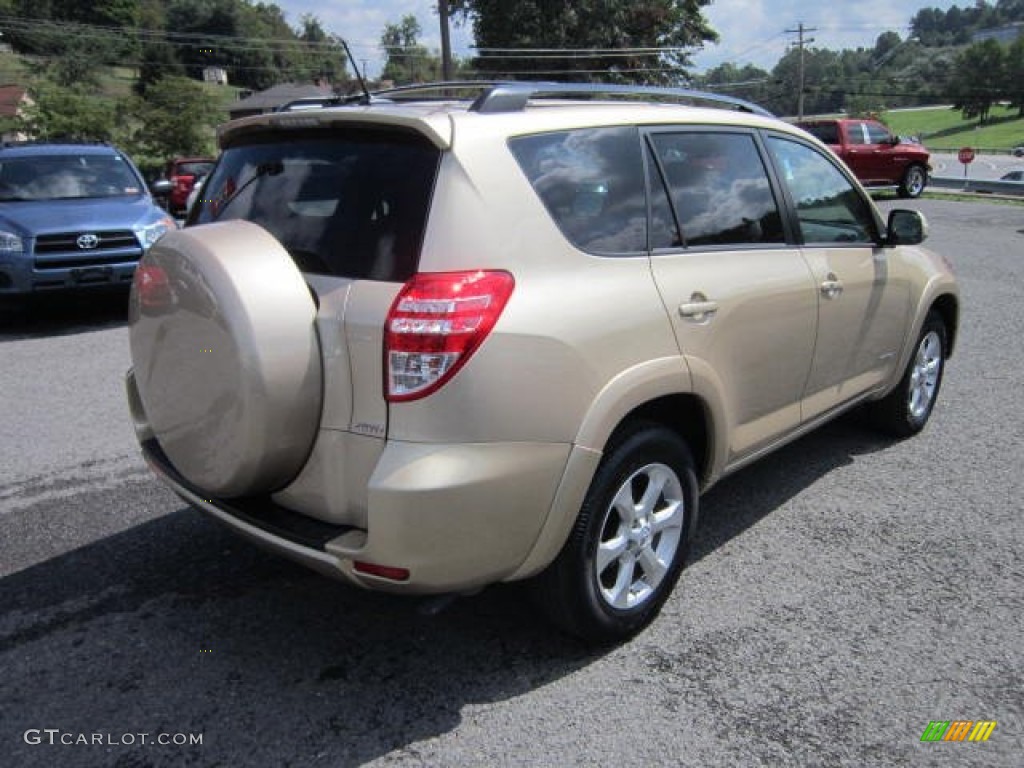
x=876, y=156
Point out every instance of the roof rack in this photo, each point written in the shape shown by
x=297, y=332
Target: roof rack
x=512, y=96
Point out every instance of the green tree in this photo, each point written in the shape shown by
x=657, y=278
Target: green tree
x=747, y=82
x=604, y=38
x=77, y=61
x=1014, y=75
x=70, y=112
x=978, y=79
x=177, y=116
x=407, y=60
x=322, y=56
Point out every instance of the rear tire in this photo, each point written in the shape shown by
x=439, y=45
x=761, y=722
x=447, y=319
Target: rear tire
x=906, y=410
x=630, y=541
x=914, y=181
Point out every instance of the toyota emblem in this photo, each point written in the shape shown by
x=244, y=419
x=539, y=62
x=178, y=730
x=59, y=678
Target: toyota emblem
x=88, y=241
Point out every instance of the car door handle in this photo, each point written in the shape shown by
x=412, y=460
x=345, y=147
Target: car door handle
x=832, y=287
x=699, y=309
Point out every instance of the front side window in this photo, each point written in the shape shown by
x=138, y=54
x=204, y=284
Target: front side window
x=877, y=134
x=66, y=177
x=351, y=203
x=591, y=182
x=829, y=207
x=719, y=189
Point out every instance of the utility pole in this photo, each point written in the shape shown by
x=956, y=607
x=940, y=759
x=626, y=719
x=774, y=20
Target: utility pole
x=446, y=44
x=801, y=43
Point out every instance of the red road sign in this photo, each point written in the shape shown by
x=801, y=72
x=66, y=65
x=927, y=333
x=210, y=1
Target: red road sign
x=965, y=155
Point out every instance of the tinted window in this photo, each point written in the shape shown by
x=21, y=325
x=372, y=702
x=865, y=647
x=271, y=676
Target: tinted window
x=876, y=134
x=830, y=208
x=719, y=188
x=825, y=132
x=591, y=182
x=63, y=177
x=193, y=168
x=353, y=204
x=855, y=133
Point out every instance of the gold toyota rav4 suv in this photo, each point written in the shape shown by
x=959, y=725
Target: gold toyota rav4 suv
x=427, y=343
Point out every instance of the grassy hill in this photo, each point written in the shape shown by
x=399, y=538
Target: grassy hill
x=943, y=128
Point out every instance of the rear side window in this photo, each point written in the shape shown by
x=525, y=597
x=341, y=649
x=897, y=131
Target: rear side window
x=591, y=181
x=827, y=133
x=352, y=203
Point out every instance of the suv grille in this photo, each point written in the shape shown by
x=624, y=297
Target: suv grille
x=107, y=244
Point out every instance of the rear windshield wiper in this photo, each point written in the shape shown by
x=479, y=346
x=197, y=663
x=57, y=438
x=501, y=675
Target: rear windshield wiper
x=263, y=169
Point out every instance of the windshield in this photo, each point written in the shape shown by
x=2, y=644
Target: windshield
x=63, y=177
x=351, y=203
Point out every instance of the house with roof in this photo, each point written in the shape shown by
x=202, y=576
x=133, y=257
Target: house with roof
x=278, y=95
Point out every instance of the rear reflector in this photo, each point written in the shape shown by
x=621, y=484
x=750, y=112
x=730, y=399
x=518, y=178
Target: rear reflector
x=435, y=324
x=382, y=571
x=153, y=287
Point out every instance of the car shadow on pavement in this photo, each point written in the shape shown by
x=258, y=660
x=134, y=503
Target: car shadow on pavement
x=741, y=500
x=176, y=626
x=64, y=314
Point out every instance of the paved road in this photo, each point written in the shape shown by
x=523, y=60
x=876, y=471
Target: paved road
x=844, y=593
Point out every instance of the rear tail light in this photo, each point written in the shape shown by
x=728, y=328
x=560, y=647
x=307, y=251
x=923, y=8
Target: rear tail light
x=435, y=324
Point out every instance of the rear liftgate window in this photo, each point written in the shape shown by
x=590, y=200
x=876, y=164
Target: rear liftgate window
x=352, y=204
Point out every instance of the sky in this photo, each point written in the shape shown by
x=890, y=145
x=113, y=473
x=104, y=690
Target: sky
x=750, y=31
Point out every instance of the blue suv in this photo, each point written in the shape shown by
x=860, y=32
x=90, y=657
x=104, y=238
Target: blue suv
x=72, y=216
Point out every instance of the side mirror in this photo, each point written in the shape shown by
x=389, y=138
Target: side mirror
x=160, y=188
x=906, y=228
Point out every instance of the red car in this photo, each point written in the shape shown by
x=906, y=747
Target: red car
x=876, y=156
x=182, y=173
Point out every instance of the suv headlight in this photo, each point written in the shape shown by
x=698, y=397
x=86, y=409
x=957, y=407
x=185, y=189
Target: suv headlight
x=10, y=243
x=150, y=233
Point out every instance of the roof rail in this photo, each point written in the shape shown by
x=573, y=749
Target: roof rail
x=514, y=96
x=444, y=89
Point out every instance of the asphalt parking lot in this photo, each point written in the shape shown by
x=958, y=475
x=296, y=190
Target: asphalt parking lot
x=844, y=593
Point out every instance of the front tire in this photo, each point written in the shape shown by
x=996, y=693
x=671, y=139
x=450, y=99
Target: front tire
x=914, y=181
x=630, y=541
x=905, y=410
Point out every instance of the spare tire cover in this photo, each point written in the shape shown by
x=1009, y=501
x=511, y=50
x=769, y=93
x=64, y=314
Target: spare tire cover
x=226, y=357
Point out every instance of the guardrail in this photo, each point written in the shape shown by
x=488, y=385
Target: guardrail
x=978, y=186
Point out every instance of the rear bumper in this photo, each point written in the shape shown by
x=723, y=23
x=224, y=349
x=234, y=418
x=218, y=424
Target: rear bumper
x=455, y=517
